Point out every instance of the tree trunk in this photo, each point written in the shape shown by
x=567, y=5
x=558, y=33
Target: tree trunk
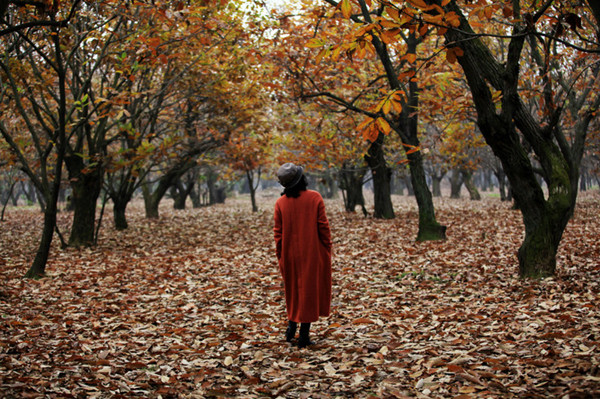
x=502, y=184
x=429, y=228
x=8, y=196
x=407, y=128
x=150, y=201
x=470, y=186
x=351, y=184
x=86, y=189
x=583, y=179
x=436, y=185
x=119, y=214
x=488, y=184
x=381, y=180
x=544, y=220
x=216, y=194
x=253, y=186
x=195, y=196
x=38, y=267
x=179, y=195
x=455, y=184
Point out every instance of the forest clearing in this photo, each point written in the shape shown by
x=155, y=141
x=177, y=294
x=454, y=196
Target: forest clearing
x=191, y=306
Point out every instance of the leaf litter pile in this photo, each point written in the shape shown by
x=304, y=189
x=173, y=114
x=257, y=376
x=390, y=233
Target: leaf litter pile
x=191, y=306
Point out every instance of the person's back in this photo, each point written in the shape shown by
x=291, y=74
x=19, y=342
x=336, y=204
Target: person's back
x=303, y=248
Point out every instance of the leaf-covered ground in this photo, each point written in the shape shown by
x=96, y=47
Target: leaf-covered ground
x=191, y=306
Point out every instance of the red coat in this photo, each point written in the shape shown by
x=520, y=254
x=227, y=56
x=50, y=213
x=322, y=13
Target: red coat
x=303, y=248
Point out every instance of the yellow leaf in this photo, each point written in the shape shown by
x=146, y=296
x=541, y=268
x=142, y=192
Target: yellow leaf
x=389, y=36
x=315, y=42
x=410, y=57
x=387, y=106
x=412, y=150
x=379, y=105
x=320, y=56
x=346, y=9
x=384, y=126
x=397, y=106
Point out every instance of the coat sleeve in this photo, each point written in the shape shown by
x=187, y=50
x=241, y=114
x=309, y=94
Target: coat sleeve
x=323, y=226
x=277, y=231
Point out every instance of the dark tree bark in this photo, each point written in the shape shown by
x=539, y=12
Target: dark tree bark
x=120, y=213
x=86, y=187
x=181, y=190
x=8, y=196
x=544, y=220
x=327, y=186
x=185, y=163
x=382, y=175
x=216, y=193
x=351, y=184
x=38, y=267
x=120, y=186
x=407, y=128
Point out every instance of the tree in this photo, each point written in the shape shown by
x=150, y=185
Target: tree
x=388, y=101
x=512, y=129
x=41, y=154
x=249, y=153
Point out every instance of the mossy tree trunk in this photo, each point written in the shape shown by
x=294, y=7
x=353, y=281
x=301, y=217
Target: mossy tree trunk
x=507, y=126
x=470, y=185
x=407, y=128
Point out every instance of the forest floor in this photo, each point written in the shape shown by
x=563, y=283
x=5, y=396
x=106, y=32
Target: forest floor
x=191, y=306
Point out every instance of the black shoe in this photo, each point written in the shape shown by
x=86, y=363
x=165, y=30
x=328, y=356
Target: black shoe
x=304, y=339
x=303, y=342
x=291, y=331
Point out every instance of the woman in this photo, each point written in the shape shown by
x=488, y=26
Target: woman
x=303, y=248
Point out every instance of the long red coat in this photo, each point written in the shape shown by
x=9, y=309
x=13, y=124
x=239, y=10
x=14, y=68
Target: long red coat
x=303, y=247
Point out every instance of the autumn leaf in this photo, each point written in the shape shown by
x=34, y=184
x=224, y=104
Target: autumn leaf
x=315, y=42
x=346, y=8
x=452, y=53
x=410, y=57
